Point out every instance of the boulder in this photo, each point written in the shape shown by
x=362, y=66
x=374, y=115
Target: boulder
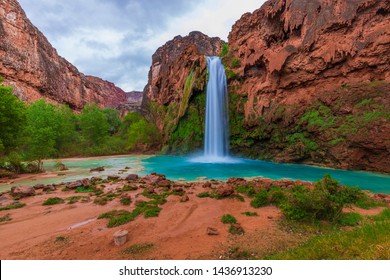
x=39, y=187
x=212, y=231
x=22, y=191
x=225, y=190
x=164, y=183
x=185, y=198
x=120, y=237
x=74, y=185
x=131, y=177
x=113, y=177
x=97, y=169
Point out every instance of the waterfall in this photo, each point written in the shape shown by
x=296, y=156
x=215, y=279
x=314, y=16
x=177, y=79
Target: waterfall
x=216, y=140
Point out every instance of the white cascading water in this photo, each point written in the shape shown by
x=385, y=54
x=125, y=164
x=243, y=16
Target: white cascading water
x=216, y=140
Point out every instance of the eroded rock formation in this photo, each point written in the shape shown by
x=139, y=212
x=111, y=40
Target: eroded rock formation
x=34, y=69
x=177, y=75
x=309, y=82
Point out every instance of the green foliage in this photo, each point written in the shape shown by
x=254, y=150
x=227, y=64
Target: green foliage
x=53, y=201
x=12, y=206
x=250, y=214
x=228, y=219
x=125, y=201
x=236, y=230
x=224, y=50
x=261, y=199
x=138, y=249
x=235, y=62
x=94, y=125
x=368, y=242
x=188, y=135
x=12, y=120
x=349, y=219
x=366, y=202
x=324, y=202
x=140, y=132
x=84, y=189
x=5, y=218
x=73, y=199
x=113, y=120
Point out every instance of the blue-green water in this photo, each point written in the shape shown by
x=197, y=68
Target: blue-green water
x=175, y=167
x=180, y=167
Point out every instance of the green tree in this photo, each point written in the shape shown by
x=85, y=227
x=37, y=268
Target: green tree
x=139, y=132
x=113, y=120
x=94, y=125
x=12, y=120
x=43, y=129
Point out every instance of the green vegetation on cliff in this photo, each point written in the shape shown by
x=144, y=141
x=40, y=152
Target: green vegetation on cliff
x=183, y=121
x=321, y=132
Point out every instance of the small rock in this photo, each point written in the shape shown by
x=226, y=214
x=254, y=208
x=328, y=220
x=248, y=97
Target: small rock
x=270, y=217
x=224, y=191
x=206, y=185
x=212, y=231
x=98, y=169
x=178, y=190
x=164, y=183
x=184, y=198
x=74, y=185
x=120, y=237
x=150, y=189
x=49, y=188
x=131, y=177
x=112, y=177
x=21, y=192
x=39, y=187
x=86, y=182
x=237, y=229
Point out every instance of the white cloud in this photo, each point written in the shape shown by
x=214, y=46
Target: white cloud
x=115, y=40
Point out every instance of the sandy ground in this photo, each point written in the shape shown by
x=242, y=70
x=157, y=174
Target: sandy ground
x=72, y=231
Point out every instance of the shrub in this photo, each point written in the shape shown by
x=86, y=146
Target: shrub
x=261, y=199
x=349, y=219
x=235, y=62
x=250, y=214
x=228, y=219
x=53, y=201
x=324, y=202
x=12, y=206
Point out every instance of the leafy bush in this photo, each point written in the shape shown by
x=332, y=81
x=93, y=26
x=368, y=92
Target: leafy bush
x=53, y=201
x=349, y=219
x=228, y=219
x=324, y=202
x=261, y=199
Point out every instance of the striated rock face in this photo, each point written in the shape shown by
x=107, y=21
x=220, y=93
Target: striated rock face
x=173, y=62
x=310, y=80
x=292, y=44
x=32, y=66
x=177, y=78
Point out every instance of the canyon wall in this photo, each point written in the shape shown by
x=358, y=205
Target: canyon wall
x=33, y=68
x=175, y=93
x=309, y=83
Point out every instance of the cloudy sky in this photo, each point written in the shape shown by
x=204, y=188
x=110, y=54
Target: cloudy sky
x=115, y=39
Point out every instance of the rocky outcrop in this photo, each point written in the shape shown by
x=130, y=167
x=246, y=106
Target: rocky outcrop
x=309, y=83
x=34, y=69
x=177, y=78
x=173, y=62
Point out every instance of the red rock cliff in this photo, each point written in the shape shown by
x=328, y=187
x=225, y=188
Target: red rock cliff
x=32, y=66
x=311, y=80
x=176, y=77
